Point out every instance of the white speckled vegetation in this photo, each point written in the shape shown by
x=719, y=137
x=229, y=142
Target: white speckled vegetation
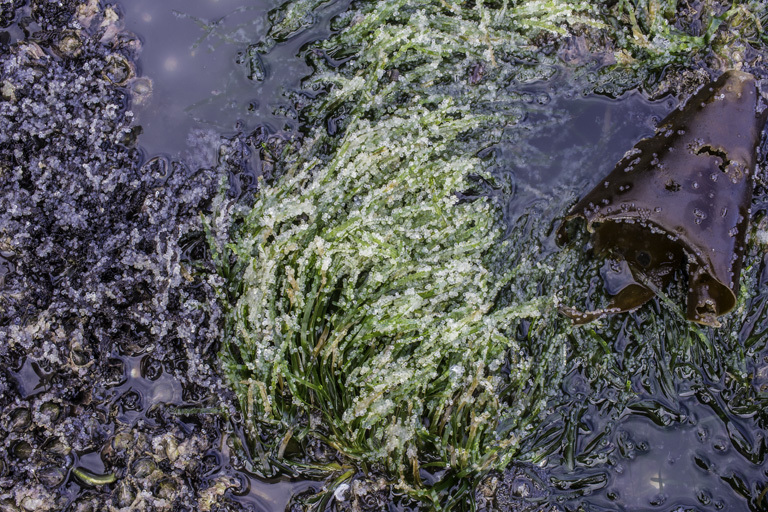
x=372, y=309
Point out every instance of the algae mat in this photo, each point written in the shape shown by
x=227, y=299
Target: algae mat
x=381, y=302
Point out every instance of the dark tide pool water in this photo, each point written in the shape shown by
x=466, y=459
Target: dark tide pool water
x=203, y=75
x=193, y=52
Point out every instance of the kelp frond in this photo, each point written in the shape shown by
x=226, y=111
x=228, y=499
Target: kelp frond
x=375, y=311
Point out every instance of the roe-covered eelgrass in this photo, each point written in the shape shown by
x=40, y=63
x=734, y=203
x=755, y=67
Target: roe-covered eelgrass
x=654, y=33
x=371, y=308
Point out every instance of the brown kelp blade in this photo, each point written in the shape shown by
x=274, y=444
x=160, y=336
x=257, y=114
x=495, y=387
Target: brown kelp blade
x=682, y=197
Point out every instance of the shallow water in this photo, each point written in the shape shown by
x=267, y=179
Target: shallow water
x=675, y=466
x=192, y=51
x=195, y=52
x=591, y=134
x=689, y=462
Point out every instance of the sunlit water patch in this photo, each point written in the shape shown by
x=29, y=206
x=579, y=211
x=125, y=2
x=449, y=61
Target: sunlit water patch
x=686, y=458
x=687, y=464
x=207, y=73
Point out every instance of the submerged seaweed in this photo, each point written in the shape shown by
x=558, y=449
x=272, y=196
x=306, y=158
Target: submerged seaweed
x=683, y=195
x=374, y=312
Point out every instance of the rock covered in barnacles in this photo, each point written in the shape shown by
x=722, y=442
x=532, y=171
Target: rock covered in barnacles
x=679, y=198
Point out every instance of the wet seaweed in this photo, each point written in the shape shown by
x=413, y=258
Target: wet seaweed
x=682, y=196
x=111, y=328
x=375, y=313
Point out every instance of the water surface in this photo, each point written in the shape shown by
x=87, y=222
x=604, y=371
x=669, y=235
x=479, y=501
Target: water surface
x=197, y=55
x=194, y=53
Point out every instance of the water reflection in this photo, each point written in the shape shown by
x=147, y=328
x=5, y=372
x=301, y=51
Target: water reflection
x=194, y=53
x=688, y=465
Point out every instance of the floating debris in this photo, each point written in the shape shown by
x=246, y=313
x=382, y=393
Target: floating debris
x=680, y=198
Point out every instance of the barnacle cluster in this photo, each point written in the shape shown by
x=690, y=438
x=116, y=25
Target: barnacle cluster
x=104, y=330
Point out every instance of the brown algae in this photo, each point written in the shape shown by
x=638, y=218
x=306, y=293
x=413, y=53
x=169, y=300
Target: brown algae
x=680, y=198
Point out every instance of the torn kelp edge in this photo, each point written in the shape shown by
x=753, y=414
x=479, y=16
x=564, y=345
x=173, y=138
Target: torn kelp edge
x=680, y=197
